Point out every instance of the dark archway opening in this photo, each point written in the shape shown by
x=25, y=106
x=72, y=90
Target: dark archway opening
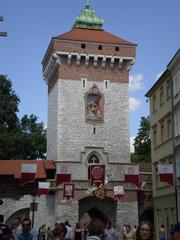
x=96, y=213
x=147, y=215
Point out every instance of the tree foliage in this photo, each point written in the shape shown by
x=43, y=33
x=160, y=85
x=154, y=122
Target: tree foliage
x=142, y=142
x=19, y=138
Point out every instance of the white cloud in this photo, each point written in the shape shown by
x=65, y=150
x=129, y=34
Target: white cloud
x=135, y=82
x=134, y=104
x=131, y=144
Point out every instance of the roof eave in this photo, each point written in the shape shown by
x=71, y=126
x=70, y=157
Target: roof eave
x=156, y=83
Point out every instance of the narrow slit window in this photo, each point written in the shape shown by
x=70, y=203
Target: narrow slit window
x=84, y=83
x=106, y=84
x=94, y=130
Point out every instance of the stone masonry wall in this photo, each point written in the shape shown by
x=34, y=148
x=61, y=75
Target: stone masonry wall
x=70, y=134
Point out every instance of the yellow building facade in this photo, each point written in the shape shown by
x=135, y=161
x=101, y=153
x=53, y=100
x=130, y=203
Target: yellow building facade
x=164, y=128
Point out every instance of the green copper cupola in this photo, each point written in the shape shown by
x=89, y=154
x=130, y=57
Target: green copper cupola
x=87, y=19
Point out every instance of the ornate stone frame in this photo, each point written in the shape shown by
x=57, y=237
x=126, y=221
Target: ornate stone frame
x=94, y=105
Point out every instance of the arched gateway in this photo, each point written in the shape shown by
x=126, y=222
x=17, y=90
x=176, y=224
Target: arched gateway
x=90, y=207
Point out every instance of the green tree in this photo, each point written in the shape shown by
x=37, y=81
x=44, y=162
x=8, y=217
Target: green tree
x=142, y=142
x=17, y=137
x=34, y=137
x=10, y=133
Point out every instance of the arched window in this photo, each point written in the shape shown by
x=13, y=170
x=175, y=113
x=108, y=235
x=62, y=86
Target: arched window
x=93, y=159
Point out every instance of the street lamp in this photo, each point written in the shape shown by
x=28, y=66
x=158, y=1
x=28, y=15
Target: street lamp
x=33, y=207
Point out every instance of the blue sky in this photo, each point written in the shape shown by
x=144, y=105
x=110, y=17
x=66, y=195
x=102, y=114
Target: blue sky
x=152, y=24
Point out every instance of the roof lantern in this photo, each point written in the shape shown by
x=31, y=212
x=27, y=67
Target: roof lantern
x=87, y=19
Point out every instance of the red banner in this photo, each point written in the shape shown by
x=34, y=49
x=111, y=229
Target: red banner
x=43, y=188
x=68, y=191
x=28, y=173
x=63, y=174
x=118, y=192
x=97, y=175
x=132, y=174
x=166, y=173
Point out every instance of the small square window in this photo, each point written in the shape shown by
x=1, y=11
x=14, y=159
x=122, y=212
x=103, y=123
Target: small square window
x=100, y=47
x=117, y=49
x=83, y=45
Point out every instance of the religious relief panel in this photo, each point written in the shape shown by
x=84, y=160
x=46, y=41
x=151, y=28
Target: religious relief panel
x=94, y=105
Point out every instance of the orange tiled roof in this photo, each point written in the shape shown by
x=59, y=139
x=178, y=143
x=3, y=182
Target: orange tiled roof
x=13, y=167
x=89, y=35
x=49, y=164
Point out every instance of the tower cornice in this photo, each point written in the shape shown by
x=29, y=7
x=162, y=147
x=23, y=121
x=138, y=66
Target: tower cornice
x=103, y=60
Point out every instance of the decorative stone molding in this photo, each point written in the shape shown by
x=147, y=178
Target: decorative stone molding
x=129, y=64
x=55, y=61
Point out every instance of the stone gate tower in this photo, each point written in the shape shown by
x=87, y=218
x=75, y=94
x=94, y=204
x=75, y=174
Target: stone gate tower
x=87, y=73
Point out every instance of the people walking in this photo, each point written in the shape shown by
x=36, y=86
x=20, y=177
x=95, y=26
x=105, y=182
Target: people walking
x=5, y=233
x=69, y=234
x=176, y=232
x=144, y=231
x=26, y=232
x=96, y=229
x=162, y=232
x=110, y=232
x=128, y=234
x=85, y=231
x=78, y=232
x=59, y=232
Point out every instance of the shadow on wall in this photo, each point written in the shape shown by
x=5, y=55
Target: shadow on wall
x=23, y=213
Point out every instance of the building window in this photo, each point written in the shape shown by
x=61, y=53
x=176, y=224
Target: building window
x=84, y=82
x=169, y=128
x=177, y=122
x=100, y=47
x=161, y=96
x=83, y=45
x=162, y=132
x=93, y=159
x=117, y=49
x=156, y=175
x=106, y=84
x=154, y=103
x=176, y=83
x=94, y=130
x=177, y=158
x=155, y=137
x=168, y=89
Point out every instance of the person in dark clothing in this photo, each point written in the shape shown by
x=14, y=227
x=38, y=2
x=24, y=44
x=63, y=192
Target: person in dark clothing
x=78, y=232
x=5, y=233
